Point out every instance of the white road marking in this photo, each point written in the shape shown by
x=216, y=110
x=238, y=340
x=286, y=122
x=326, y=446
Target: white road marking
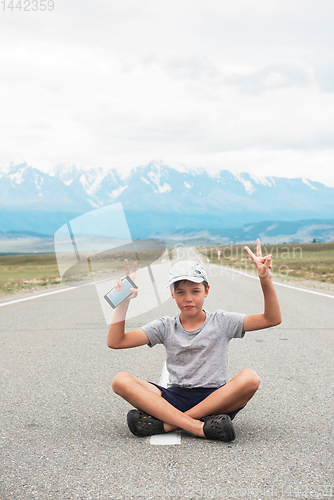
x=256, y=278
x=164, y=376
x=50, y=293
x=276, y=283
x=195, y=253
x=36, y=296
x=171, y=437
x=304, y=290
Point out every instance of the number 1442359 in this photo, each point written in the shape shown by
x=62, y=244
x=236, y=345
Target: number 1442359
x=27, y=5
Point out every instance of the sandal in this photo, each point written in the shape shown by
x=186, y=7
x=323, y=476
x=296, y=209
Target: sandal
x=141, y=424
x=218, y=427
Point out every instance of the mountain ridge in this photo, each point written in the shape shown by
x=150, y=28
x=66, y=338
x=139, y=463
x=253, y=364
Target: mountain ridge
x=159, y=200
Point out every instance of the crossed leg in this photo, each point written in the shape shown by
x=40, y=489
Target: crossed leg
x=147, y=397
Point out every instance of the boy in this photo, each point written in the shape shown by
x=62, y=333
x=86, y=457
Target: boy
x=199, y=398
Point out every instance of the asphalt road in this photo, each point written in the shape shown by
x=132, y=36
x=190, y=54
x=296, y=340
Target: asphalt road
x=64, y=433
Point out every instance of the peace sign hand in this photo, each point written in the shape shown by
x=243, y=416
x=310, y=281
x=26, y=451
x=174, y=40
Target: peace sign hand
x=118, y=284
x=263, y=264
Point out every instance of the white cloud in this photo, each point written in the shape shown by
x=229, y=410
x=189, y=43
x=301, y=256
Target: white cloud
x=270, y=78
x=247, y=87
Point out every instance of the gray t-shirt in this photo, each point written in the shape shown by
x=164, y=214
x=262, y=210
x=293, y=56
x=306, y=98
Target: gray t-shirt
x=196, y=358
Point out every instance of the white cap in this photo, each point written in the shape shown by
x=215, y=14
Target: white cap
x=187, y=270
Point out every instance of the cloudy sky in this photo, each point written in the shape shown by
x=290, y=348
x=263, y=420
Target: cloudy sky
x=215, y=84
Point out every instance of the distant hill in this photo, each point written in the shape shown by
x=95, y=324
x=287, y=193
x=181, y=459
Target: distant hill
x=162, y=202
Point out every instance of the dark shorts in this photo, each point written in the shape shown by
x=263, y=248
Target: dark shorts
x=184, y=398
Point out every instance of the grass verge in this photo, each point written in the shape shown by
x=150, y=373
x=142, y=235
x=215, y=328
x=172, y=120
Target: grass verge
x=310, y=261
x=32, y=271
x=27, y=271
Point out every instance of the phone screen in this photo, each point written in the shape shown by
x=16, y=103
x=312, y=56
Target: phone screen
x=115, y=297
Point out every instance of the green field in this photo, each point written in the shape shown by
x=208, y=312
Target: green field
x=312, y=261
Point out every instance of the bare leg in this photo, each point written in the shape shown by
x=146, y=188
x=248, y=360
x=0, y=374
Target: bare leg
x=146, y=397
x=236, y=393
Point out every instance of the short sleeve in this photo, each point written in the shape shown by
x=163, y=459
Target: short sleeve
x=232, y=324
x=155, y=331
x=236, y=322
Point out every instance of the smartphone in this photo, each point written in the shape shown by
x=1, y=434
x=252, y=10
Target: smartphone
x=115, y=297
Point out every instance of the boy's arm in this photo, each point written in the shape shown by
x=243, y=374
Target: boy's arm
x=272, y=312
x=117, y=337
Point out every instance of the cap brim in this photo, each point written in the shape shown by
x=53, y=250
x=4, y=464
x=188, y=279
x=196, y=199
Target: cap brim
x=181, y=278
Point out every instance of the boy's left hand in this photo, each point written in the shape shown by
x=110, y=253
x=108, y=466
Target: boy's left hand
x=263, y=264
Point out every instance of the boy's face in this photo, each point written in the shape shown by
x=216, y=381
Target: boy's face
x=189, y=297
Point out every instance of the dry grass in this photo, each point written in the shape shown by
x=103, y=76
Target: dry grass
x=32, y=271
x=20, y=272
x=312, y=261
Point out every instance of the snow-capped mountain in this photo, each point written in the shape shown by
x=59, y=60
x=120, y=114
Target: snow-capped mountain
x=96, y=185
x=26, y=188
x=157, y=199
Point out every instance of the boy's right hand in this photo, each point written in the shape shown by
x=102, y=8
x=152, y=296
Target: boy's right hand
x=118, y=284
